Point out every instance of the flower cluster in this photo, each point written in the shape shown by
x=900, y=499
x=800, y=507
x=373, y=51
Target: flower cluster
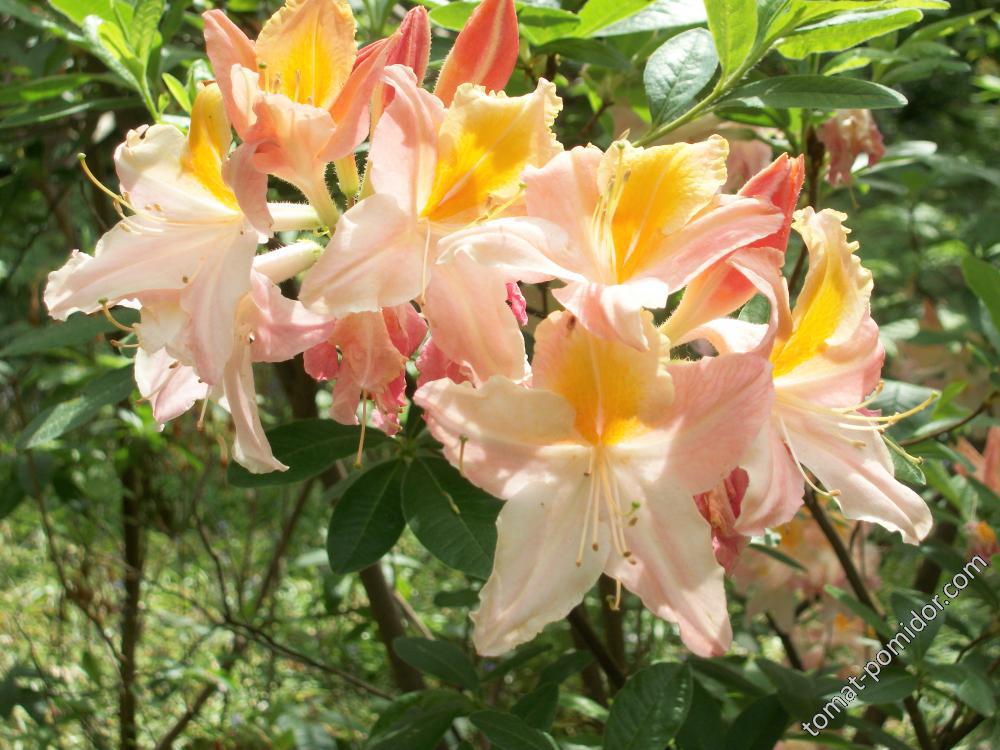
x=617, y=448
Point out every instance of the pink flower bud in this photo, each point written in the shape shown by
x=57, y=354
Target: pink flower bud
x=485, y=51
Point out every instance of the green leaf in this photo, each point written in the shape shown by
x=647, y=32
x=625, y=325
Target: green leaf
x=178, y=91
x=308, y=447
x=107, y=10
x=659, y=15
x=144, y=27
x=971, y=687
x=77, y=329
x=650, y=709
x=538, y=707
x=599, y=14
x=565, y=667
x=798, y=694
x=540, y=24
x=417, y=721
x=845, y=31
x=367, y=520
x=819, y=92
x=733, y=24
x=590, y=51
x=453, y=519
x=904, y=604
x=444, y=660
x=107, y=389
x=759, y=726
x=891, y=688
x=48, y=87
x=984, y=280
x=452, y=16
x=59, y=110
x=703, y=729
x=509, y=732
x=905, y=470
x=677, y=71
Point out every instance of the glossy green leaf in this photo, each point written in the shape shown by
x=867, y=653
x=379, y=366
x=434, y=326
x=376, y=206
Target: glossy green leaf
x=509, y=732
x=890, y=688
x=76, y=330
x=659, y=15
x=677, y=71
x=650, y=709
x=442, y=659
x=599, y=14
x=48, y=87
x=107, y=389
x=453, y=519
x=818, y=92
x=537, y=708
x=845, y=31
x=733, y=24
x=906, y=605
x=308, y=447
x=540, y=24
x=367, y=520
x=759, y=726
x=417, y=721
x=984, y=280
x=144, y=34
x=797, y=692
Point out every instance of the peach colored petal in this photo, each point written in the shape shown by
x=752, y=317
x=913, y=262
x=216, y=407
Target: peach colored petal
x=484, y=52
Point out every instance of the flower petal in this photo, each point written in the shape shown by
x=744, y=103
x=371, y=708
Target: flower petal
x=675, y=572
x=484, y=52
x=486, y=141
x=856, y=464
x=374, y=260
x=511, y=441
x=614, y=311
x=405, y=142
x=467, y=311
x=227, y=46
x=171, y=389
x=250, y=447
x=306, y=50
x=536, y=579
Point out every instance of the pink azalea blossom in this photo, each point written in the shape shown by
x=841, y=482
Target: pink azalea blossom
x=624, y=229
x=599, y=461
x=826, y=359
x=847, y=135
x=435, y=171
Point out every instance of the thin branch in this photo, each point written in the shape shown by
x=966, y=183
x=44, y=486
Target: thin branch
x=578, y=621
x=952, y=427
x=786, y=640
x=863, y=595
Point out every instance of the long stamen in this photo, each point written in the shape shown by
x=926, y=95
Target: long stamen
x=462, y=440
x=111, y=319
x=586, y=517
x=614, y=513
x=798, y=465
x=364, y=423
x=201, y=416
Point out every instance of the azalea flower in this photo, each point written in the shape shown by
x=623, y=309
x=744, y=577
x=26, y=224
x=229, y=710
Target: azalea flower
x=198, y=216
x=624, y=229
x=598, y=461
x=985, y=465
x=847, y=135
x=826, y=359
x=375, y=348
x=435, y=171
x=295, y=96
x=267, y=327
